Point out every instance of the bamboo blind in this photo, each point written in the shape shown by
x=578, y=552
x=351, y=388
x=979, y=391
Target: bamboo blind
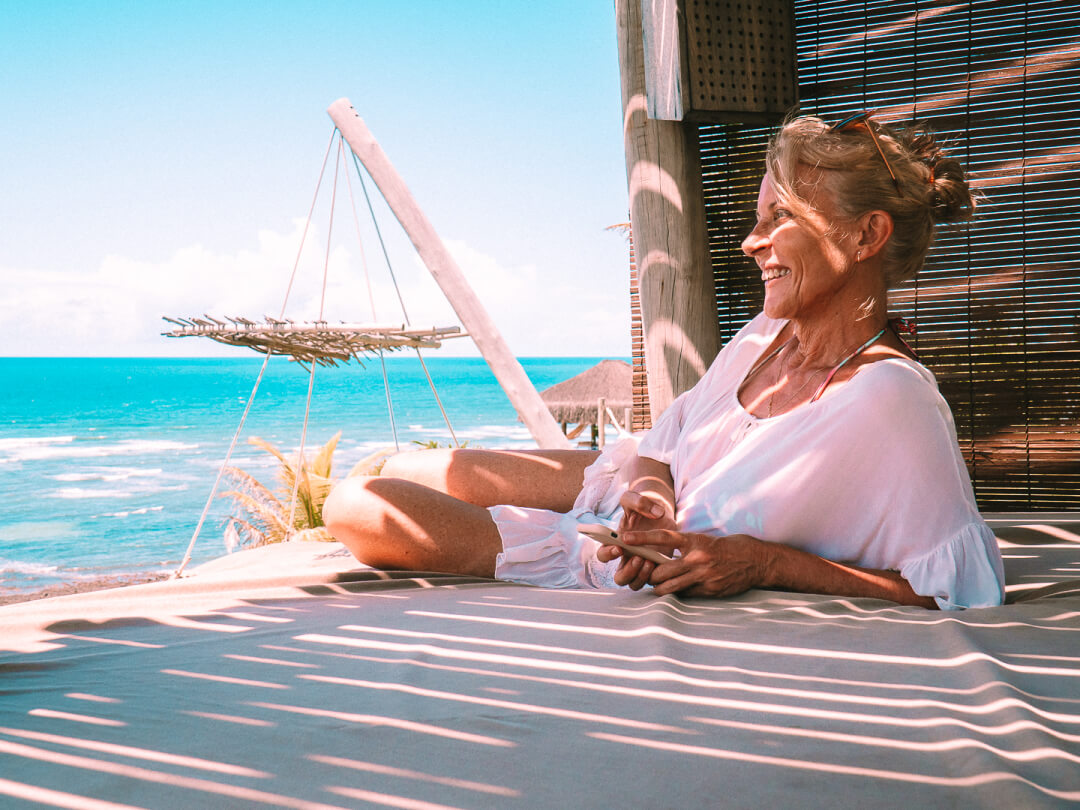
x=998, y=303
x=641, y=417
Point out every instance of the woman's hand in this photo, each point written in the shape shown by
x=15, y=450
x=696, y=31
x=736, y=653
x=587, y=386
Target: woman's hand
x=644, y=511
x=633, y=572
x=703, y=566
x=649, y=504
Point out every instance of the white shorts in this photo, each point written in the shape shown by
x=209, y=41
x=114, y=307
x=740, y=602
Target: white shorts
x=544, y=548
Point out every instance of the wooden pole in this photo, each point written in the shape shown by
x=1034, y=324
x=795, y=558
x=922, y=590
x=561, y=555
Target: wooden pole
x=508, y=371
x=667, y=214
x=601, y=422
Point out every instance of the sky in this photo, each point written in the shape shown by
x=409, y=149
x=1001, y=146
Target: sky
x=160, y=159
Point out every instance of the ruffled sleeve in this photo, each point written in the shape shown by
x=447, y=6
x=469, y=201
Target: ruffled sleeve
x=963, y=572
x=660, y=442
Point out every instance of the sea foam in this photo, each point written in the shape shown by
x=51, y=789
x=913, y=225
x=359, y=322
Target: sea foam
x=108, y=474
x=67, y=447
x=26, y=568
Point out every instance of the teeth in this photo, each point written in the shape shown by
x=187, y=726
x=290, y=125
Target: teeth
x=780, y=272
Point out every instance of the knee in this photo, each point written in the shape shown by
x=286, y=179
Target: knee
x=351, y=509
x=368, y=514
x=427, y=467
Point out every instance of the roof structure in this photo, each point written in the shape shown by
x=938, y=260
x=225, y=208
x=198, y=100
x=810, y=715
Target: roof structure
x=574, y=400
x=319, y=342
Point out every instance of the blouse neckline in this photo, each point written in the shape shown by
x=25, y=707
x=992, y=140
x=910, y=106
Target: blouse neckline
x=771, y=336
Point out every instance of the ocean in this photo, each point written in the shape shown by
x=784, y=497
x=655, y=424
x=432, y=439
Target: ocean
x=106, y=464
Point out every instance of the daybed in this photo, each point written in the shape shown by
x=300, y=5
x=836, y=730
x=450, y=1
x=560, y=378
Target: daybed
x=289, y=676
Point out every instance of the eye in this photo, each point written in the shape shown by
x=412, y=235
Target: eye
x=781, y=214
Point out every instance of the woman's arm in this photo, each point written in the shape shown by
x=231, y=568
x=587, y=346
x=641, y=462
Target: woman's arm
x=726, y=566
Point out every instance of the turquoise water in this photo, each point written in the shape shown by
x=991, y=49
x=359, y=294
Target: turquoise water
x=106, y=464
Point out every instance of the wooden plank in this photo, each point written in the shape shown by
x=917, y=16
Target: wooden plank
x=667, y=213
x=507, y=370
x=665, y=60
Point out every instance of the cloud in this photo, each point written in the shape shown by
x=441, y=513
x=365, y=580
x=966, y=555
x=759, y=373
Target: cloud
x=116, y=308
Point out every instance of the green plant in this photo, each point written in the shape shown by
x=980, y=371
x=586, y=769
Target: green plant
x=264, y=513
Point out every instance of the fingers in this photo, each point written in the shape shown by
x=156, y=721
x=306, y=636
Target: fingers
x=608, y=553
x=634, y=572
x=643, y=505
x=665, y=540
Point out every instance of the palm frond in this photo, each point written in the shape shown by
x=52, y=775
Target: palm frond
x=322, y=465
x=264, y=513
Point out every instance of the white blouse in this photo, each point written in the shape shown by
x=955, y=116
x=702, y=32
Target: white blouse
x=869, y=474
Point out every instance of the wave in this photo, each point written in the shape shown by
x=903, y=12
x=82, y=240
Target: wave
x=144, y=511
x=78, y=492
x=45, y=450
x=26, y=568
x=74, y=493
x=21, y=442
x=109, y=474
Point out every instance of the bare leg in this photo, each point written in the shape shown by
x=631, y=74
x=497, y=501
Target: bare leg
x=392, y=523
x=540, y=479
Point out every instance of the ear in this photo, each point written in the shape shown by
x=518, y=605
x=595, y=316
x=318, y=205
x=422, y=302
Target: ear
x=873, y=230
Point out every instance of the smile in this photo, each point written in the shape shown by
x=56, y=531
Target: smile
x=773, y=273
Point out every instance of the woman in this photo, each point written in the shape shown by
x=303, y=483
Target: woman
x=816, y=455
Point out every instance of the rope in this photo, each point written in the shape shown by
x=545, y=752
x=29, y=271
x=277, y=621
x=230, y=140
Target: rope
x=404, y=312
x=262, y=371
x=307, y=224
x=322, y=303
x=221, y=472
x=311, y=374
x=371, y=302
x=438, y=401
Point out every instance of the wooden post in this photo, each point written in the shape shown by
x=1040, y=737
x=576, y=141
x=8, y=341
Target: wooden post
x=667, y=214
x=508, y=371
x=601, y=421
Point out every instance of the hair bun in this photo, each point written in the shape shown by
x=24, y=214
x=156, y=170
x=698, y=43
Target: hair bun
x=949, y=196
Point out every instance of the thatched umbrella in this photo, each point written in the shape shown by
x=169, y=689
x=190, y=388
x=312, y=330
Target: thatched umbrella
x=576, y=399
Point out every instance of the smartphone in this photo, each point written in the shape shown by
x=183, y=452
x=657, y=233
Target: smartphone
x=610, y=537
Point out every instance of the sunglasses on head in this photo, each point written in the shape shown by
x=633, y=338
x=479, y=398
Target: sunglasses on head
x=864, y=119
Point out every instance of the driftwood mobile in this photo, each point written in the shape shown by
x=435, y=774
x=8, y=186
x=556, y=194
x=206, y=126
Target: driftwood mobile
x=321, y=343
x=326, y=344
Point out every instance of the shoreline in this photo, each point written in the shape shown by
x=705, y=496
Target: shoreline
x=83, y=586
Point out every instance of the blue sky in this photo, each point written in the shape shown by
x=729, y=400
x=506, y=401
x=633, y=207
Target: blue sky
x=159, y=159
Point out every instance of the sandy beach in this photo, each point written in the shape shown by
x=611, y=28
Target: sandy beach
x=83, y=586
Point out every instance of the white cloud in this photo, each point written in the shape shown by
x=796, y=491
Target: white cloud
x=116, y=308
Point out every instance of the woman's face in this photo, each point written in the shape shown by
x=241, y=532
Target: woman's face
x=804, y=260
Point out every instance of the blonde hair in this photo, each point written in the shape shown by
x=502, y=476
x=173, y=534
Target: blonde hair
x=930, y=187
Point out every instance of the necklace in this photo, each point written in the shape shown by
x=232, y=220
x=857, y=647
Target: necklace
x=776, y=385
x=825, y=383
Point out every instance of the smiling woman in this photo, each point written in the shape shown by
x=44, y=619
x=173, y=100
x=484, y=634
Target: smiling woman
x=816, y=454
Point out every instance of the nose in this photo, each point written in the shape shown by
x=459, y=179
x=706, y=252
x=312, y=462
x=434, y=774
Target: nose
x=756, y=240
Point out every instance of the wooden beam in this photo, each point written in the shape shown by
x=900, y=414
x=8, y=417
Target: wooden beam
x=507, y=370
x=667, y=213
x=664, y=60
